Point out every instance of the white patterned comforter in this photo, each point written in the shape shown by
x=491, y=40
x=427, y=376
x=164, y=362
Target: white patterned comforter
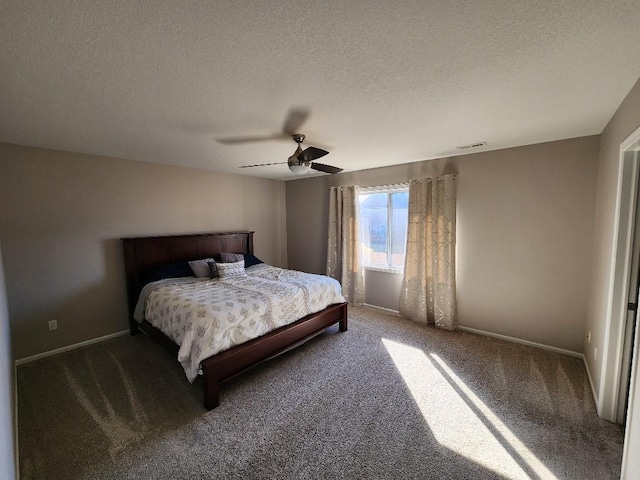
x=205, y=317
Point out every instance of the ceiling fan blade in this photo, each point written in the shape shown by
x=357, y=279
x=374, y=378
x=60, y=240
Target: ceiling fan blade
x=321, y=167
x=261, y=165
x=311, y=153
x=252, y=139
x=295, y=119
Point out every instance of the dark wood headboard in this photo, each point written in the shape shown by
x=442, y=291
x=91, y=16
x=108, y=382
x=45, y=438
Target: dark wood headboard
x=144, y=253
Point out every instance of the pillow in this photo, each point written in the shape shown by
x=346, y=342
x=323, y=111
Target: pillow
x=251, y=260
x=201, y=268
x=213, y=270
x=172, y=270
x=231, y=257
x=226, y=270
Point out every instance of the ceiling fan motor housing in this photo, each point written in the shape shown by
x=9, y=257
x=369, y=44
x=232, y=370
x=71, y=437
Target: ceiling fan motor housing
x=294, y=160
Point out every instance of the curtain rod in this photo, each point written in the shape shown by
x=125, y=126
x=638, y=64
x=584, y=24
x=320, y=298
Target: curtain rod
x=376, y=187
x=391, y=186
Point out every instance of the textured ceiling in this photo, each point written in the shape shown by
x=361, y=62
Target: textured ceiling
x=385, y=82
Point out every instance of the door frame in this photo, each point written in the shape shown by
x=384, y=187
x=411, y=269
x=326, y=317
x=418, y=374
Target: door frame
x=617, y=298
x=630, y=465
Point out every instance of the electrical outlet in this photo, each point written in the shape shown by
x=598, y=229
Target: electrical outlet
x=595, y=353
x=53, y=324
x=589, y=337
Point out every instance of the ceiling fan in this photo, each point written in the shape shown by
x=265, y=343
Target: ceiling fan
x=302, y=160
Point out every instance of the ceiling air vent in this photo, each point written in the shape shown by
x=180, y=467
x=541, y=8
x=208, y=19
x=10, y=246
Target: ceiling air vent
x=472, y=145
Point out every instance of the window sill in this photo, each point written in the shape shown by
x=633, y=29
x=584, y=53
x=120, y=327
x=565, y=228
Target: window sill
x=375, y=268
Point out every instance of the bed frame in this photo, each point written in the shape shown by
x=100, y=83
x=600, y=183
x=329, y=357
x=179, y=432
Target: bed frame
x=144, y=253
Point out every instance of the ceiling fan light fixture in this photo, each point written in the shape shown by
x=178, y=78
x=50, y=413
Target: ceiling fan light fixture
x=299, y=169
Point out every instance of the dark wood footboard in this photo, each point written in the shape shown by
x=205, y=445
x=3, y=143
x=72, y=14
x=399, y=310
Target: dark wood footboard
x=226, y=365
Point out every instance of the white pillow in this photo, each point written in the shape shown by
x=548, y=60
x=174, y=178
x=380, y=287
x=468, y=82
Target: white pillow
x=226, y=270
x=200, y=268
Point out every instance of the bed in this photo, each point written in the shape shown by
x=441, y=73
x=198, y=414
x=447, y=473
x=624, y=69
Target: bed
x=144, y=254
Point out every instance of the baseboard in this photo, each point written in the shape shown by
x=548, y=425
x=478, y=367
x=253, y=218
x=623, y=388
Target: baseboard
x=382, y=309
x=32, y=358
x=593, y=388
x=563, y=351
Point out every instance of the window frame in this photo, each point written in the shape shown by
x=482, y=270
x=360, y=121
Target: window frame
x=389, y=190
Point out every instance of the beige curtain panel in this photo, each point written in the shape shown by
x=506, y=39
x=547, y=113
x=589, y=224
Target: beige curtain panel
x=344, y=255
x=428, y=293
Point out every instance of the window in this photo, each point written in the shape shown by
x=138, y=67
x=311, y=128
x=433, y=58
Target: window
x=383, y=224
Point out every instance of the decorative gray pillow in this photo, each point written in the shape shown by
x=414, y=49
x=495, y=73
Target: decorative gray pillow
x=213, y=270
x=200, y=268
x=231, y=257
x=226, y=270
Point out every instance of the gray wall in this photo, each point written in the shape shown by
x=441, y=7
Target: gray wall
x=7, y=393
x=525, y=228
x=382, y=289
x=63, y=214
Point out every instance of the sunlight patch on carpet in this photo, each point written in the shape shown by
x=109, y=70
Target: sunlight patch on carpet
x=458, y=419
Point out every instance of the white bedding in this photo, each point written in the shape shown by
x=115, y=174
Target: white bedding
x=205, y=317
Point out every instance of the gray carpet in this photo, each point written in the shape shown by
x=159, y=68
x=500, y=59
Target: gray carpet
x=387, y=399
